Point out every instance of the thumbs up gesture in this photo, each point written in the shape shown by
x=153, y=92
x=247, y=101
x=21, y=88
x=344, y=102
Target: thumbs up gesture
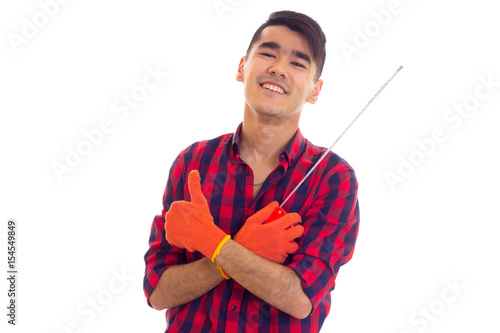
x=190, y=225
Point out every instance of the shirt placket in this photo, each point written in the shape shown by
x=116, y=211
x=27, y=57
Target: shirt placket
x=273, y=177
x=237, y=293
x=234, y=314
x=234, y=308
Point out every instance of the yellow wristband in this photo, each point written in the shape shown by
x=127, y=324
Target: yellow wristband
x=217, y=250
x=227, y=277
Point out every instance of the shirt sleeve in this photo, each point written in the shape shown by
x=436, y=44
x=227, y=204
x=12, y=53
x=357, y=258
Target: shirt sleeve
x=330, y=232
x=161, y=255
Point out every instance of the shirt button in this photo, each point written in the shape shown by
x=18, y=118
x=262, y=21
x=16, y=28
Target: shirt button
x=234, y=308
x=248, y=173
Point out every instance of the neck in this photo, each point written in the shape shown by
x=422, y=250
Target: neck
x=263, y=138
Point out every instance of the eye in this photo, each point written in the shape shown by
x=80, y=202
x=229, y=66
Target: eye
x=298, y=64
x=267, y=55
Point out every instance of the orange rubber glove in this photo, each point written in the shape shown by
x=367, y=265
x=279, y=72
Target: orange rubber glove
x=273, y=241
x=190, y=225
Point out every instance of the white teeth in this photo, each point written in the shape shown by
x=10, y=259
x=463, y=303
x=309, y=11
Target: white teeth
x=273, y=88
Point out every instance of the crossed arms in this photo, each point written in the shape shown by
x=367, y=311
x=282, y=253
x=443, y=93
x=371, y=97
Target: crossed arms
x=265, y=277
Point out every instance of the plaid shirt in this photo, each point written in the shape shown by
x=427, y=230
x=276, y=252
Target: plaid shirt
x=327, y=203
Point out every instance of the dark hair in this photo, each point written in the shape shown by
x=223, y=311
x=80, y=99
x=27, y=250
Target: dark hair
x=300, y=23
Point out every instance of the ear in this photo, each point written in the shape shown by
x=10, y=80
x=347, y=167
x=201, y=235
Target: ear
x=313, y=98
x=239, y=74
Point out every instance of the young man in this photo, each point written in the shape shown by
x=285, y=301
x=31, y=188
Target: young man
x=228, y=270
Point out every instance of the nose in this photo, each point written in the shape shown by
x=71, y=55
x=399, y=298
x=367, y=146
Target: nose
x=277, y=69
x=277, y=72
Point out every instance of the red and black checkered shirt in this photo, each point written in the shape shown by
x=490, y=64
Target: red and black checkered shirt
x=327, y=203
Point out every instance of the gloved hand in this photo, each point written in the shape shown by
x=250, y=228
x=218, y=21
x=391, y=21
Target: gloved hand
x=273, y=241
x=190, y=224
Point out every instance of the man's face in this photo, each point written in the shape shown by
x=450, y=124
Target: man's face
x=278, y=74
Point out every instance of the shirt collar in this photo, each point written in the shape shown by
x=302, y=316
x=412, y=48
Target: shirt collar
x=287, y=156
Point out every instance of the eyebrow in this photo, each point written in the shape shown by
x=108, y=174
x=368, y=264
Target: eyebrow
x=277, y=47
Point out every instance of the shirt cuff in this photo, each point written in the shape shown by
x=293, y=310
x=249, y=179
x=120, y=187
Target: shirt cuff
x=316, y=277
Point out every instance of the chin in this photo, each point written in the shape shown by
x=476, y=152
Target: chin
x=268, y=111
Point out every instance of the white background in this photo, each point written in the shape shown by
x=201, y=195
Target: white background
x=436, y=226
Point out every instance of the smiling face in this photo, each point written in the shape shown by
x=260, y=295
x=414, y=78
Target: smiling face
x=278, y=75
